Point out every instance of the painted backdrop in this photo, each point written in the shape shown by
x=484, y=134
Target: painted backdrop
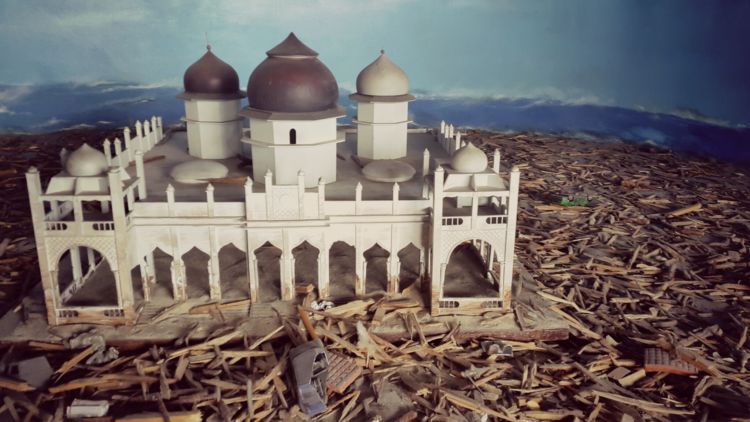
x=673, y=73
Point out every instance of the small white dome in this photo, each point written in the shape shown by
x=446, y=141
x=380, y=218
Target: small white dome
x=382, y=78
x=198, y=171
x=86, y=161
x=469, y=159
x=388, y=171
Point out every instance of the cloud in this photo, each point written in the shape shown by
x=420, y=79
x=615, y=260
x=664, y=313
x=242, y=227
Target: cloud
x=14, y=93
x=51, y=122
x=539, y=96
x=242, y=11
x=6, y=110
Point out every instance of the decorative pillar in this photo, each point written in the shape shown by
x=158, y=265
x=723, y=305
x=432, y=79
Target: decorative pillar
x=129, y=147
x=301, y=195
x=214, y=281
x=36, y=204
x=170, y=200
x=268, y=178
x=321, y=198
x=139, y=133
x=496, y=161
x=91, y=259
x=121, y=160
x=358, y=198
x=107, y=152
x=140, y=174
x=75, y=262
x=248, y=194
x=120, y=267
x=154, y=133
x=160, y=130
x=147, y=134
x=323, y=289
x=210, y=200
x=394, y=199
x=287, y=269
x=437, y=271
x=510, y=238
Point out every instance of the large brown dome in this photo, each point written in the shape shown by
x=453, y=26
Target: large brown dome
x=211, y=76
x=292, y=80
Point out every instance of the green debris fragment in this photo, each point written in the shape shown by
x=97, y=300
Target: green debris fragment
x=574, y=202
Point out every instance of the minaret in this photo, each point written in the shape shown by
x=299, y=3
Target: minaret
x=212, y=103
x=382, y=110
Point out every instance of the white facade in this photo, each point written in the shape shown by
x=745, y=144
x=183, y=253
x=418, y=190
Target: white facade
x=288, y=147
x=381, y=128
x=214, y=127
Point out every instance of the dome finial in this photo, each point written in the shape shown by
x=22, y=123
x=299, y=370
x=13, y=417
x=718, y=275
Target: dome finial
x=382, y=51
x=208, y=44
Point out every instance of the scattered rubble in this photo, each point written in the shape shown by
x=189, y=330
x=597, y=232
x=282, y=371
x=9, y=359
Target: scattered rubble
x=640, y=267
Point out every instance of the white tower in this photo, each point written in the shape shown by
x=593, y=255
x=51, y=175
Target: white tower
x=212, y=103
x=292, y=107
x=382, y=110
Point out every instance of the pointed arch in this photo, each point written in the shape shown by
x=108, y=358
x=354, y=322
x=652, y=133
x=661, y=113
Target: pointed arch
x=196, y=273
x=341, y=270
x=85, y=278
x=268, y=259
x=410, y=258
x=306, y=263
x=376, y=276
x=466, y=273
x=233, y=272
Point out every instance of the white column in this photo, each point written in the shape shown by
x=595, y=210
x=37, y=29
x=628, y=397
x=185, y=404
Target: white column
x=248, y=195
x=154, y=131
x=301, y=195
x=269, y=197
x=321, y=198
x=75, y=262
x=120, y=267
x=358, y=198
x=107, y=152
x=214, y=285
x=141, y=142
x=121, y=159
x=91, y=258
x=287, y=269
x=510, y=239
x=425, y=162
x=170, y=200
x=140, y=174
x=323, y=270
x=210, y=200
x=437, y=267
x=146, y=276
x=129, y=147
x=394, y=199
x=147, y=134
x=160, y=128
x=496, y=161
x=46, y=268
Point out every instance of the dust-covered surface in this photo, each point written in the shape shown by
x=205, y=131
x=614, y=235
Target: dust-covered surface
x=657, y=256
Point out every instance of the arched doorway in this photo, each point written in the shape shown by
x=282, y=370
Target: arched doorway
x=341, y=270
x=376, y=276
x=196, y=273
x=162, y=290
x=466, y=273
x=305, y=263
x=292, y=136
x=410, y=257
x=85, y=278
x=233, y=273
x=268, y=258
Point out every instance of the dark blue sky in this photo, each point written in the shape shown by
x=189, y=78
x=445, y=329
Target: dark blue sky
x=657, y=55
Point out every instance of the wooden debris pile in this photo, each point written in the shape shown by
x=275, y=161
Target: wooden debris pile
x=657, y=259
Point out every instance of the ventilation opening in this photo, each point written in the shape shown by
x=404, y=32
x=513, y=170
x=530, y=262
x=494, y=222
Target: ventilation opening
x=293, y=136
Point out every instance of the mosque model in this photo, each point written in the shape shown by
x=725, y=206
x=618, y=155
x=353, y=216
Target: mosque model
x=249, y=203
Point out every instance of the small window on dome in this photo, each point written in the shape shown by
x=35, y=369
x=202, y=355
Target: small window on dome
x=293, y=137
